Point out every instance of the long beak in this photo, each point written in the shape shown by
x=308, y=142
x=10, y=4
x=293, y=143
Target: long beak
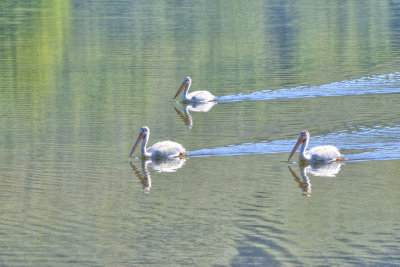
x=180, y=89
x=140, y=137
x=299, y=141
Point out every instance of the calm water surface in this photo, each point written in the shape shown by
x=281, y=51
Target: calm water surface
x=79, y=78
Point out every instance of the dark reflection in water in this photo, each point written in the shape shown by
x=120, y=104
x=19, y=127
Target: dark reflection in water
x=281, y=26
x=394, y=9
x=253, y=256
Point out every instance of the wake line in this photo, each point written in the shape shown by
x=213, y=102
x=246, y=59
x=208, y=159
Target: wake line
x=376, y=84
x=386, y=148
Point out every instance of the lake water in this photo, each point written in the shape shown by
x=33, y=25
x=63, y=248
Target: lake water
x=79, y=78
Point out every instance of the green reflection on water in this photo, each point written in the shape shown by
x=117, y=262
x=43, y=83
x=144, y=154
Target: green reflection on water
x=78, y=79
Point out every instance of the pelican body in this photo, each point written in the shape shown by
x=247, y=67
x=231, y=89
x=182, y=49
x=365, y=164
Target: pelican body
x=197, y=96
x=165, y=149
x=316, y=154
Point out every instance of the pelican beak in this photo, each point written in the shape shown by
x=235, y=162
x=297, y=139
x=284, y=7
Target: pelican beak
x=299, y=141
x=140, y=137
x=180, y=89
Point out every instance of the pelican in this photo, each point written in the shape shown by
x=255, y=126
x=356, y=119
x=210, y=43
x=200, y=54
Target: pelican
x=165, y=149
x=316, y=154
x=197, y=96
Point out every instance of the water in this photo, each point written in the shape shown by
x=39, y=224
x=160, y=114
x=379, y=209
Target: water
x=377, y=84
x=79, y=79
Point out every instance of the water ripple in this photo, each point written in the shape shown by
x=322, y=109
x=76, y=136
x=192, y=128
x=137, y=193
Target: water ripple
x=363, y=143
x=376, y=84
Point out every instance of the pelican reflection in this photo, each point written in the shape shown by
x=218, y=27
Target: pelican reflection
x=195, y=107
x=329, y=169
x=143, y=176
x=159, y=165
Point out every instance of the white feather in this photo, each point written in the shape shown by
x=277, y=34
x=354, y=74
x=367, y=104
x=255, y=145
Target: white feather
x=324, y=153
x=200, y=97
x=166, y=149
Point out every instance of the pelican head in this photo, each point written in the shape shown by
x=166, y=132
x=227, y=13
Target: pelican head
x=144, y=132
x=303, y=137
x=186, y=82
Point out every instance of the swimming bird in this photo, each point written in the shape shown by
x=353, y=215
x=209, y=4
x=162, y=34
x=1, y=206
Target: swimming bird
x=316, y=154
x=164, y=149
x=197, y=96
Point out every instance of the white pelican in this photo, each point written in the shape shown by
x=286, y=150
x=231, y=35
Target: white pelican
x=197, y=96
x=165, y=149
x=316, y=154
